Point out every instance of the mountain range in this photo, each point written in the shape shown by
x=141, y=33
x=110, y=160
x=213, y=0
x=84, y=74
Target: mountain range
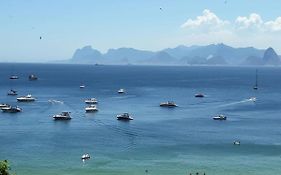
x=213, y=54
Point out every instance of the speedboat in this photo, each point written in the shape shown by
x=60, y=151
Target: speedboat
x=12, y=92
x=85, y=156
x=14, y=77
x=32, y=77
x=220, y=117
x=91, y=101
x=124, y=116
x=62, y=116
x=199, y=95
x=168, y=104
x=253, y=99
x=11, y=109
x=3, y=105
x=82, y=86
x=236, y=142
x=91, y=108
x=121, y=91
x=27, y=98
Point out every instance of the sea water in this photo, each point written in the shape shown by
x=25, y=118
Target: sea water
x=158, y=141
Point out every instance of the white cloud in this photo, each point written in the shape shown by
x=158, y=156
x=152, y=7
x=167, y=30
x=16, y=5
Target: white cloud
x=251, y=22
x=208, y=20
x=273, y=25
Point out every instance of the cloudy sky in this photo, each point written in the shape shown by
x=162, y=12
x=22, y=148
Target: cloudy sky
x=66, y=25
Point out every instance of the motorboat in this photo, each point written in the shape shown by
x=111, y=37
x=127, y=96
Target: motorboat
x=220, y=117
x=62, y=116
x=168, y=104
x=14, y=77
x=27, y=98
x=4, y=105
x=12, y=92
x=124, y=116
x=82, y=86
x=91, y=108
x=199, y=95
x=121, y=91
x=91, y=101
x=253, y=99
x=236, y=142
x=32, y=77
x=11, y=109
x=85, y=156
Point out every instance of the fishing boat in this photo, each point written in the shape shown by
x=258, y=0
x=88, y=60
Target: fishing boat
x=236, y=142
x=199, y=95
x=14, y=77
x=121, y=91
x=85, y=156
x=32, y=77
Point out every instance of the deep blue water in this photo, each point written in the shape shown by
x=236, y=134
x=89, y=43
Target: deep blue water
x=163, y=141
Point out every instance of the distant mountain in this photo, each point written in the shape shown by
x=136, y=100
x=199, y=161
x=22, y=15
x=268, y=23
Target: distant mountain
x=270, y=57
x=213, y=54
x=127, y=56
x=87, y=55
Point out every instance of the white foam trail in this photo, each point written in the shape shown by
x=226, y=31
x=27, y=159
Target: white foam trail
x=55, y=101
x=239, y=102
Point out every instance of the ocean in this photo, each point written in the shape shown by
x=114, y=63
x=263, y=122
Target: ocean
x=160, y=141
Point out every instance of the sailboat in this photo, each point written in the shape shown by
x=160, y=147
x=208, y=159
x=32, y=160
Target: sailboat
x=256, y=85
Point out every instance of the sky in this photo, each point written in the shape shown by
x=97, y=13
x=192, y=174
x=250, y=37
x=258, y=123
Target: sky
x=66, y=25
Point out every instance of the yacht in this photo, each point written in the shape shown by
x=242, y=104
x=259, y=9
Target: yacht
x=11, y=109
x=32, y=77
x=62, y=116
x=85, y=156
x=3, y=105
x=91, y=101
x=199, y=95
x=12, y=92
x=168, y=104
x=14, y=77
x=91, y=108
x=124, y=116
x=121, y=91
x=236, y=142
x=220, y=117
x=27, y=98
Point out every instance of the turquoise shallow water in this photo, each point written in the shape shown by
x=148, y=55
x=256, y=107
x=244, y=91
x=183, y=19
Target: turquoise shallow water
x=162, y=141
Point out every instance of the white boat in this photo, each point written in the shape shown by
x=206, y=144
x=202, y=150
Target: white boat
x=124, y=116
x=12, y=92
x=32, y=77
x=82, y=86
x=236, y=142
x=168, y=104
x=4, y=105
x=91, y=101
x=91, y=108
x=85, y=156
x=220, y=117
x=27, y=98
x=121, y=91
x=11, y=109
x=14, y=77
x=62, y=116
x=253, y=99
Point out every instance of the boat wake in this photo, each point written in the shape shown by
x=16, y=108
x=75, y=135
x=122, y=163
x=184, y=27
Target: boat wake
x=55, y=101
x=252, y=99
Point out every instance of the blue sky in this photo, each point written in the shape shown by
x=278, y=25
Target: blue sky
x=66, y=25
